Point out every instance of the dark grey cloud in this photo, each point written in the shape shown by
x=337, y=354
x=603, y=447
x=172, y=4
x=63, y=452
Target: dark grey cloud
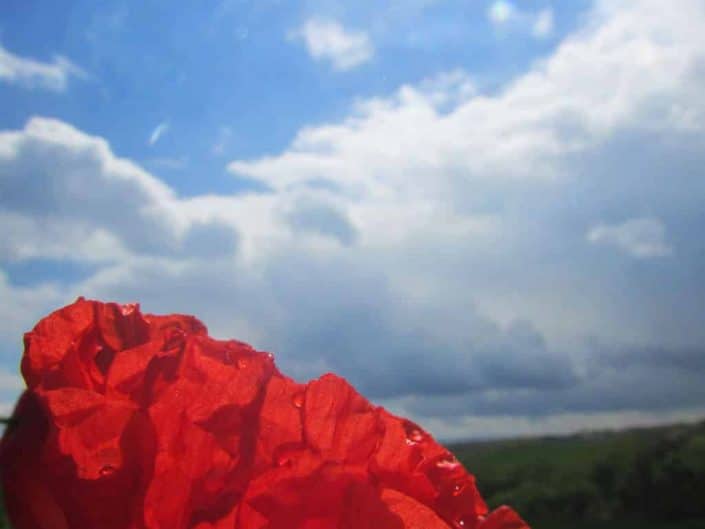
x=690, y=359
x=634, y=388
x=316, y=216
x=209, y=239
x=466, y=284
x=54, y=178
x=319, y=315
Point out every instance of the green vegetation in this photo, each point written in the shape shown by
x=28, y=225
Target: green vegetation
x=651, y=478
x=4, y=524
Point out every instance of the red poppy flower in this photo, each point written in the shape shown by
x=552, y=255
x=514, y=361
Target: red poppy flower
x=134, y=421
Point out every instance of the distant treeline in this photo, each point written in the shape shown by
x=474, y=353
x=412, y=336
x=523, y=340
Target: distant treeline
x=653, y=477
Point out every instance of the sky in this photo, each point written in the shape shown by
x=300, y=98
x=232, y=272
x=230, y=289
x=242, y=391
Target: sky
x=487, y=215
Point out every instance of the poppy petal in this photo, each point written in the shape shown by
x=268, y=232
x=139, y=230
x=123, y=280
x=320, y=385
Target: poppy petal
x=135, y=421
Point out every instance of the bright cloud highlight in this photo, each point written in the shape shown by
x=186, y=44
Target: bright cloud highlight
x=31, y=73
x=327, y=40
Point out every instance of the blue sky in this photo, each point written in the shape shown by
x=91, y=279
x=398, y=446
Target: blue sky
x=485, y=214
x=228, y=72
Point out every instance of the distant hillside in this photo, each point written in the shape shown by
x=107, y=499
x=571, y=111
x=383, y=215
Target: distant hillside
x=641, y=477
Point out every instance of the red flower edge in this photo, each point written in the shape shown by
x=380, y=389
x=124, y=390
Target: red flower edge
x=137, y=421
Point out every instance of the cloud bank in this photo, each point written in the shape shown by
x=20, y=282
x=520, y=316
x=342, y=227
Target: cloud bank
x=528, y=257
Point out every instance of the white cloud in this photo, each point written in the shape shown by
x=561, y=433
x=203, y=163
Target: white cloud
x=430, y=246
x=506, y=16
x=475, y=195
x=608, y=77
x=328, y=40
x=448, y=89
x=158, y=132
x=31, y=73
x=85, y=203
x=543, y=23
x=501, y=12
x=642, y=238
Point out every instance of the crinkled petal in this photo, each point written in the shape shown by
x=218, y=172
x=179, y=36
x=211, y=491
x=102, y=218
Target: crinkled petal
x=503, y=518
x=135, y=421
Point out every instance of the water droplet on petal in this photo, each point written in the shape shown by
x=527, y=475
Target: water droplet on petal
x=286, y=455
x=128, y=308
x=241, y=363
x=298, y=399
x=415, y=436
x=284, y=460
x=269, y=357
x=462, y=521
x=458, y=489
x=448, y=463
x=107, y=470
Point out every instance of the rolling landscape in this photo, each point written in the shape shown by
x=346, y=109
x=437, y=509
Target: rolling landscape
x=646, y=478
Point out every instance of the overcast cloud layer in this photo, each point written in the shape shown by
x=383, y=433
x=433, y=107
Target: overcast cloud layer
x=525, y=260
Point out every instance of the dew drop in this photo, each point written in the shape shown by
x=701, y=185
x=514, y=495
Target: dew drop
x=462, y=521
x=415, y=436
x=107, y=470
x=283, y=460
x=129, y=308
x=458, y=489
x=286, y=454
x=298, y=399
x=241, y=363
x=269, y=356
x=448, y=463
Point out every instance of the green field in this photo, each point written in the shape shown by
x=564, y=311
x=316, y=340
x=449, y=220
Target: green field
x=651, y=478
x=640, y=478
